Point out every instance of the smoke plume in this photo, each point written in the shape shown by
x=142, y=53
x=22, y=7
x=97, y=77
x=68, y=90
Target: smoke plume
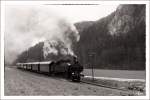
x=27, y=26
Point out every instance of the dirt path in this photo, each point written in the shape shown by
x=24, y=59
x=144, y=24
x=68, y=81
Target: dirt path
x=18, y=82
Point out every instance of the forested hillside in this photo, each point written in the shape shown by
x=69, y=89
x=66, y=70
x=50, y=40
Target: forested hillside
x=33, y=54
x=117, y=40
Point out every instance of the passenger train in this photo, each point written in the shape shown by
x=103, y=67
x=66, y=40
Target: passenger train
x=68, y=68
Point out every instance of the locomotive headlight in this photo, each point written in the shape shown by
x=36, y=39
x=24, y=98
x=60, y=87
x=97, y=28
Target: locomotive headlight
x=73, y=73
x=68, y=64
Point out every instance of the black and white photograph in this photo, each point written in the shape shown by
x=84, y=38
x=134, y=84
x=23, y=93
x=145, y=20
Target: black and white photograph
x=74, y=49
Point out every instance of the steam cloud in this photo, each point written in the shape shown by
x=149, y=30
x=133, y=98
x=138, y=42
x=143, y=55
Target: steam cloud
x=27, y=26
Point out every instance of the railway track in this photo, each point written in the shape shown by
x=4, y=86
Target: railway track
x=124, y=92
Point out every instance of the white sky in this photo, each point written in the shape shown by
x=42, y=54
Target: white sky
x=84, y=12
x=74, y=13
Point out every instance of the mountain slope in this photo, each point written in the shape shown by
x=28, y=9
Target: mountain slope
x=117, y=40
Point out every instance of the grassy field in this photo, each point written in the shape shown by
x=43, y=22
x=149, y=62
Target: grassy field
x=116, y=73
x=19, y=82
x=24, y=83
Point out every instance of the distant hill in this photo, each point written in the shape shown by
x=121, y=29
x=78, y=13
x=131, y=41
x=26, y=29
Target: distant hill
x=117, y=41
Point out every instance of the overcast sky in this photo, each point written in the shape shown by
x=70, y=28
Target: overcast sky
x=74, y=13
x=26, y=25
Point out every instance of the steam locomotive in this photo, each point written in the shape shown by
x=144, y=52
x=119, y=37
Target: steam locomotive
x=70, y=68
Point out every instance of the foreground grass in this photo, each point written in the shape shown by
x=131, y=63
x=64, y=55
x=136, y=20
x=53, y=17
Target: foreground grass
x=24, y=83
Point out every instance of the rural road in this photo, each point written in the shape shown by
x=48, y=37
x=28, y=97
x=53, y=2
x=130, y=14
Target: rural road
x=23, y=83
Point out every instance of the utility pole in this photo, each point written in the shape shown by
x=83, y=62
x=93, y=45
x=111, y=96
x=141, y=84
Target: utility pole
x=92, y=60
x=40, y=55
x=27, y=55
